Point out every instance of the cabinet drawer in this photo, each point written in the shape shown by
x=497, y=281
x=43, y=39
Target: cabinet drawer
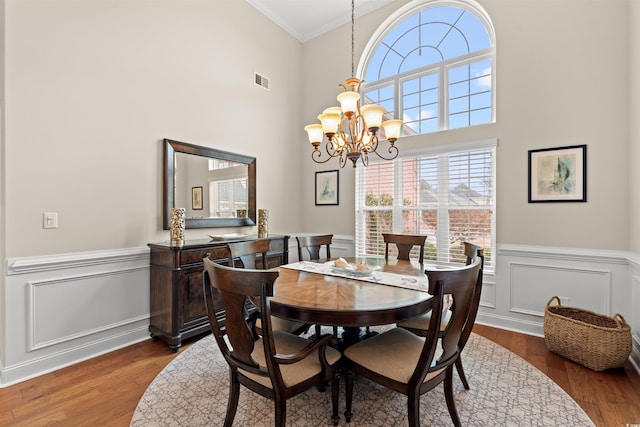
x=193, y=256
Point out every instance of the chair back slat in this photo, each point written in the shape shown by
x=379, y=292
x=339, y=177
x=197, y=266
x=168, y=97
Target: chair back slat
x=313, y=245
x=431, y=337
x=461, y=284
x=244, y=253
x=404, y=243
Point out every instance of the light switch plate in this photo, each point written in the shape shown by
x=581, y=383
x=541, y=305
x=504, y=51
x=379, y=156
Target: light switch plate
x=50, y=220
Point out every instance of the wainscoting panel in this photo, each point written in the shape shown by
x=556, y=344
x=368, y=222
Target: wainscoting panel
x=532, y=285
x=526, y=277
x=634, y=319
x=63, y=309
x=99, y=301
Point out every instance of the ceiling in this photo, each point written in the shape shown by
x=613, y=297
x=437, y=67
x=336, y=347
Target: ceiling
x=306, y=19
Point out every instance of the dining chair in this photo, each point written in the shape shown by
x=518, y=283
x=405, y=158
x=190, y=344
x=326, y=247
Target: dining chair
x=277, y=365
x=313, y=245
x=244, y=255
x=419, y=325
x=411, y=364
x=404, y=243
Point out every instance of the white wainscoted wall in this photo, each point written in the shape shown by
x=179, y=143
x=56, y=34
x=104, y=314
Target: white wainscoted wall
x=67, y=308
x=63, y=309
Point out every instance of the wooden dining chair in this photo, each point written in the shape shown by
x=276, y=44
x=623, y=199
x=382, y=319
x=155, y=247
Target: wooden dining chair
x=419, y=325
x=277, y=365
x=413, y=365
x=244, y=255
x=313, y=245
x=404, y=243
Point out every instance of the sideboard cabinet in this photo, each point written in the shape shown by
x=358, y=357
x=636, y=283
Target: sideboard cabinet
x=177, y=299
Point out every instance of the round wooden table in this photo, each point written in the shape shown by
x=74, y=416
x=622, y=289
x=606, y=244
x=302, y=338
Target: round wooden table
x=338, y=301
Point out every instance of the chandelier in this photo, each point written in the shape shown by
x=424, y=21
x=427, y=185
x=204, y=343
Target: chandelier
x=352, y=130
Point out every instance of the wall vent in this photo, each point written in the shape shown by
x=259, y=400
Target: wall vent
x=261, y=81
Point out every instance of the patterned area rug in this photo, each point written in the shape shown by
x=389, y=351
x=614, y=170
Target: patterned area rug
x=505, y=391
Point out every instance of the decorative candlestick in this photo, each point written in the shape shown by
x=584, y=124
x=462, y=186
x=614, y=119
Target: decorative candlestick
x=263, y=223
x=176, y=229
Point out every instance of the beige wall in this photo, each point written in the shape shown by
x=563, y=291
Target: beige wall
x=562, y=79
x=92, y=89
x=634, y=126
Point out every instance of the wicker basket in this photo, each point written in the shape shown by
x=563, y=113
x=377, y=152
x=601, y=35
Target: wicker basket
x=593, y=340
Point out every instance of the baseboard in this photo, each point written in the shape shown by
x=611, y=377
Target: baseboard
x=70, y=356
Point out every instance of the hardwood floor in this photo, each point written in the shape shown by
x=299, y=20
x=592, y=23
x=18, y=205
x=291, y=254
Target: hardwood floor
x=106, y=390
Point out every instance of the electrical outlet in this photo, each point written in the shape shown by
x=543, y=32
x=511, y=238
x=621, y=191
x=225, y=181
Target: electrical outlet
x=50, y=220
x=564, y=300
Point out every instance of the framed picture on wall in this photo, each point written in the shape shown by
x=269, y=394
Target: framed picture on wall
x=327, y=188
x=196, y=198
x=558, y=174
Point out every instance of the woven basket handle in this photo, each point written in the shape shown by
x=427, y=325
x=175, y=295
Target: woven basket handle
x=620, y=320
x=554, y=298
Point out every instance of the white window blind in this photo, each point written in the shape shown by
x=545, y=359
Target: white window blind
x=447, y=195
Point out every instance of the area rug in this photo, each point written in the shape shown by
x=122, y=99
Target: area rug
x=505, y=391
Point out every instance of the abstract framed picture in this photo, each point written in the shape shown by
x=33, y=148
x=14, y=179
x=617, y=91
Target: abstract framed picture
x=327, y=188
x=196, y=198
x=558, y=174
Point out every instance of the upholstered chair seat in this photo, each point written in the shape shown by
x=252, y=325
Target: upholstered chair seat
x=393, y=354
x=295, y=373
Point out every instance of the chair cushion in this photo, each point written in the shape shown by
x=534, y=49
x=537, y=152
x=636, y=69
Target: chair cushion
x=393, y=354
x=295, y=373
x=422, y=321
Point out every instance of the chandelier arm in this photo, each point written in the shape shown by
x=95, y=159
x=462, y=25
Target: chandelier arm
x=365, y=159
x=393, y=150
x=343, y=160
x=331, y=151
x=316, y=154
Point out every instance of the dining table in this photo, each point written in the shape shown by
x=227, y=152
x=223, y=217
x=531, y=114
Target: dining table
x=318, y=292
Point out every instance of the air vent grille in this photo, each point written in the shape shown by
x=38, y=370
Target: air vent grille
x=261, y=81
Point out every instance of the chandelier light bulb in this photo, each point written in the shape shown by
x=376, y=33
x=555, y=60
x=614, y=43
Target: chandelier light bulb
x=392, y=130
x=330, y=123
x=349, y=102
x=314, y=132
x=372, y=114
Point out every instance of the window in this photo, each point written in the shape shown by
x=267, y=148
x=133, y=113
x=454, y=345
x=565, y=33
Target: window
x=449, y=195
x=227, y=188
x=434, y=65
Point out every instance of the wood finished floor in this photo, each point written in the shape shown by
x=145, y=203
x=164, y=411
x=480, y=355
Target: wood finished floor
x=106, y=390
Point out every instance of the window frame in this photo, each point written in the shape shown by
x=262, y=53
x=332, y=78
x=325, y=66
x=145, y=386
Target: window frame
x=442, y=229
x=441, y=67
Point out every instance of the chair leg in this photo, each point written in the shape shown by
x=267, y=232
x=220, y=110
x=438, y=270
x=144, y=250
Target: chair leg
x=460, y=370
x=281, y=412
x=413, y=409
x=448, y=394
x=348, y=379
x=335, y=391
x=234, y=395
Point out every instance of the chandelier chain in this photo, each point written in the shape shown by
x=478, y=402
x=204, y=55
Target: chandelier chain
x=353, y=24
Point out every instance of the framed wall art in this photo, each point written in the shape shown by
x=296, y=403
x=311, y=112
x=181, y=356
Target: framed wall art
x=327, y=188
x=558, y=174
x=196, y=198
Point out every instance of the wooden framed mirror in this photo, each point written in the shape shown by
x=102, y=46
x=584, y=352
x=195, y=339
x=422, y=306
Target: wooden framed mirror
x=217, y=188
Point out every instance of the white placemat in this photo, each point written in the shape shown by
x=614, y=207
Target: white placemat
x=381, y=277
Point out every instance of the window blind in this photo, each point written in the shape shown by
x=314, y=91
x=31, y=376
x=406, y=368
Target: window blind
x=447, y=195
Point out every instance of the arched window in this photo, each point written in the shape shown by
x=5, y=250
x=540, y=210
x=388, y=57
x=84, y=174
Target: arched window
x=434, y=63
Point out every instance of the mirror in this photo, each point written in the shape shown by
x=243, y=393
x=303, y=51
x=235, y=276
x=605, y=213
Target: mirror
x=217, y=188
